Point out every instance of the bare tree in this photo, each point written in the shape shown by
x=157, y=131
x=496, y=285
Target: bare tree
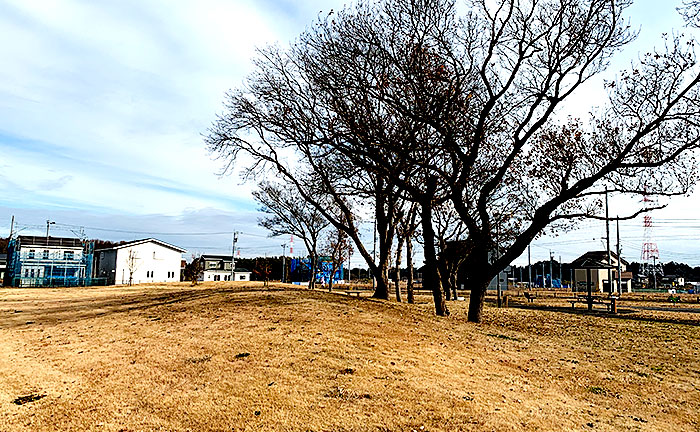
x=453, y=248
x=337, y=247
x=478, y=97
x=194, y=269
x=407, y=231
x=291, y=214
x=132, y=264
x=462, y=108
x=280, y=124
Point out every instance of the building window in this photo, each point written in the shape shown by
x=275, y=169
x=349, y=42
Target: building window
x=31, y=254
x=26, y=272
x=68, y=255
x=242, y=277
x=46, y=254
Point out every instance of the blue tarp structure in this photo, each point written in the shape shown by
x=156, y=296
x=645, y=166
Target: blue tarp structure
x=300, y=270
x=554, y=283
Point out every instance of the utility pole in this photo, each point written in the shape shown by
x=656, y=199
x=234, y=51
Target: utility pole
x=374, y=254
x=12, y=226
x=233, y=257
x=551, y=272
x=619, y=258
x=349, y=268
x=560, y=283
x=544, y=276
x=607, y=235
x=498, y=276
x=654, y=271
x=529, y=269
x=284, y=253
x=571, y=280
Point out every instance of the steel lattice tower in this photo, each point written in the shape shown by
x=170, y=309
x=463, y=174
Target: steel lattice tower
x=650, y=250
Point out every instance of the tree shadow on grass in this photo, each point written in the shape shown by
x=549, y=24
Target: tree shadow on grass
x=623, y=313
x=30, y=312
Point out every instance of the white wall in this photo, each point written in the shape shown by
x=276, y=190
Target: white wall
x=224, y=275
x=147, y=257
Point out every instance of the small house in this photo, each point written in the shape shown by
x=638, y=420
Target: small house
x=141, y=261
x=218, y=268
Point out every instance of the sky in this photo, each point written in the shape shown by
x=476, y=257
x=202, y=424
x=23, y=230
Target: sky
x=103, y=105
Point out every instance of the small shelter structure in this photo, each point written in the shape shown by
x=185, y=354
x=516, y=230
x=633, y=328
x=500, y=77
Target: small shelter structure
x=596, y=262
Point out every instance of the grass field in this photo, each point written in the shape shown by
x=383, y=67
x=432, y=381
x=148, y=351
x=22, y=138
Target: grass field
x=240, y=357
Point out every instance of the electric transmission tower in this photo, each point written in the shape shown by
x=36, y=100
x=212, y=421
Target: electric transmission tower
x=651, y=266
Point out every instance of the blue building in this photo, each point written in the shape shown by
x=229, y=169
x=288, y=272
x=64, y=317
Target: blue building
x=35, y=261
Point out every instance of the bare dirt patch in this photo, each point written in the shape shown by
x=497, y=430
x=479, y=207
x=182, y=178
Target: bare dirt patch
x=173, y=357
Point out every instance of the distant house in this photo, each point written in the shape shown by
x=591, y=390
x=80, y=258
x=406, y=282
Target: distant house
x=597, y=263
x=141, y=261
x=35, y=261
x=218, y=268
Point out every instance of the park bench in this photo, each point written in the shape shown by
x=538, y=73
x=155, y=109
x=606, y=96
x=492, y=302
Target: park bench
x=530, y=296
x=353, y=292
x=607, y=302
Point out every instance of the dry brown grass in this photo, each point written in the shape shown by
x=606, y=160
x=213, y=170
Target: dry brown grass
x=225, y=357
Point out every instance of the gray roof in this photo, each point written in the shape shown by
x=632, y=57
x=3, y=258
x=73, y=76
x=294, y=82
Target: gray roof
x=137, y=242
x=595, y=259
x=49, y=241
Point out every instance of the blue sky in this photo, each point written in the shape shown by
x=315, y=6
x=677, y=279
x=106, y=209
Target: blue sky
x=103, y=104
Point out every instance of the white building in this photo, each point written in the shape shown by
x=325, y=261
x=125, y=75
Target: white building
x=140, y=261
x=218, y=268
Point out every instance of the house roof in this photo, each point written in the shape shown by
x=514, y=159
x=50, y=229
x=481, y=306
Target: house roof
x=151, y=240
x=219, y=257
x=49, y=241
x=595, y=259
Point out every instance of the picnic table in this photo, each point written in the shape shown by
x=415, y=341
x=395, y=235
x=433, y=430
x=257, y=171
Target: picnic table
x=610, y=302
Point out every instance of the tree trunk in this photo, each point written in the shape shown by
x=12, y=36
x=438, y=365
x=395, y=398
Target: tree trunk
x=409, y=267
x=444, y=278
x=430, y=274
x=312, y=277
x=399, y=249
x=381, y=290
x=478, y=278
x=453, y=282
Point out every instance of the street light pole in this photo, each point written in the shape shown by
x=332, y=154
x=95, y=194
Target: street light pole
x=233, y=257
x=48, y=224
x=529, y=269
